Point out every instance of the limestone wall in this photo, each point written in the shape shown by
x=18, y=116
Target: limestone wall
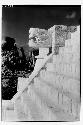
x=67, y=68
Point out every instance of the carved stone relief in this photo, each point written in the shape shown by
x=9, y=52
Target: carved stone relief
x=39, y=38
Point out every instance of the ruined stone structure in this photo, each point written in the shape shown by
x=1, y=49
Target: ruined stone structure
x=52, y=92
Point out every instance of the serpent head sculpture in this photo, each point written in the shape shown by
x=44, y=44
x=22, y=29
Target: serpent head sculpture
x=39, y=38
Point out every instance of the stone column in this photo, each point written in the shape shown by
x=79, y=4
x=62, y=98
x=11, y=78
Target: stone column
x=40, y=58
x=52, y=32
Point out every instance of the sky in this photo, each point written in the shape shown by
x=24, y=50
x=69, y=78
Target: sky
x=17, y=20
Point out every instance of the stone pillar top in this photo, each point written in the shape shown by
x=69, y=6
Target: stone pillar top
x=39, y=38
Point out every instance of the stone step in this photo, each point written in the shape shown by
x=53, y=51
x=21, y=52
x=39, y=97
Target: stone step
x=65, y=67
x=50, y=94
x=66, y=58
x=74, y=97
x=50, y=67
x=19, y=108
x=54, y=100
x=46, y=91
x=69, y=49
x=9, y=115
x=65, y=84
x=27, y=109
x=37, y=109
x=31, y=109
x=46, y=112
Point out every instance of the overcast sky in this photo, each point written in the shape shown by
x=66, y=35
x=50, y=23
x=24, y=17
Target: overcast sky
x=17, y=20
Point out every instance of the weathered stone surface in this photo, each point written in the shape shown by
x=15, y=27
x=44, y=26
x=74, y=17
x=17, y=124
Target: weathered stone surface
x=58, y=85
x=39, y=38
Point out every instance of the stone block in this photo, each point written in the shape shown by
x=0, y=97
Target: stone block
x=67, y=58
x=56, y=67
x=76, y=58
x=19, y=109
x=60, y=98
x=75, y=37
x=57, y=59
x=10, y=116
x=58, y=81
x=54, y=96
x=75, y=85
x=73, y=69
x=69, y=83
x=61, y=50
x=60, y=65
x=76, y=49
x=50, y=67
x=68, y=69
x=75, y=109
x=61, y=81
x=54, y=59
x=64, y=68
x=68, y=43
x=66, y=103
x=50, y=77
x=68, y=49
x=48, y=93
x=43, y=51
x=65, y=84
x=61, y=68
x=77, y=71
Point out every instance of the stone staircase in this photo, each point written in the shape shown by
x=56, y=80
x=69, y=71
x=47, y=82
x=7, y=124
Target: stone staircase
x=54, y=94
